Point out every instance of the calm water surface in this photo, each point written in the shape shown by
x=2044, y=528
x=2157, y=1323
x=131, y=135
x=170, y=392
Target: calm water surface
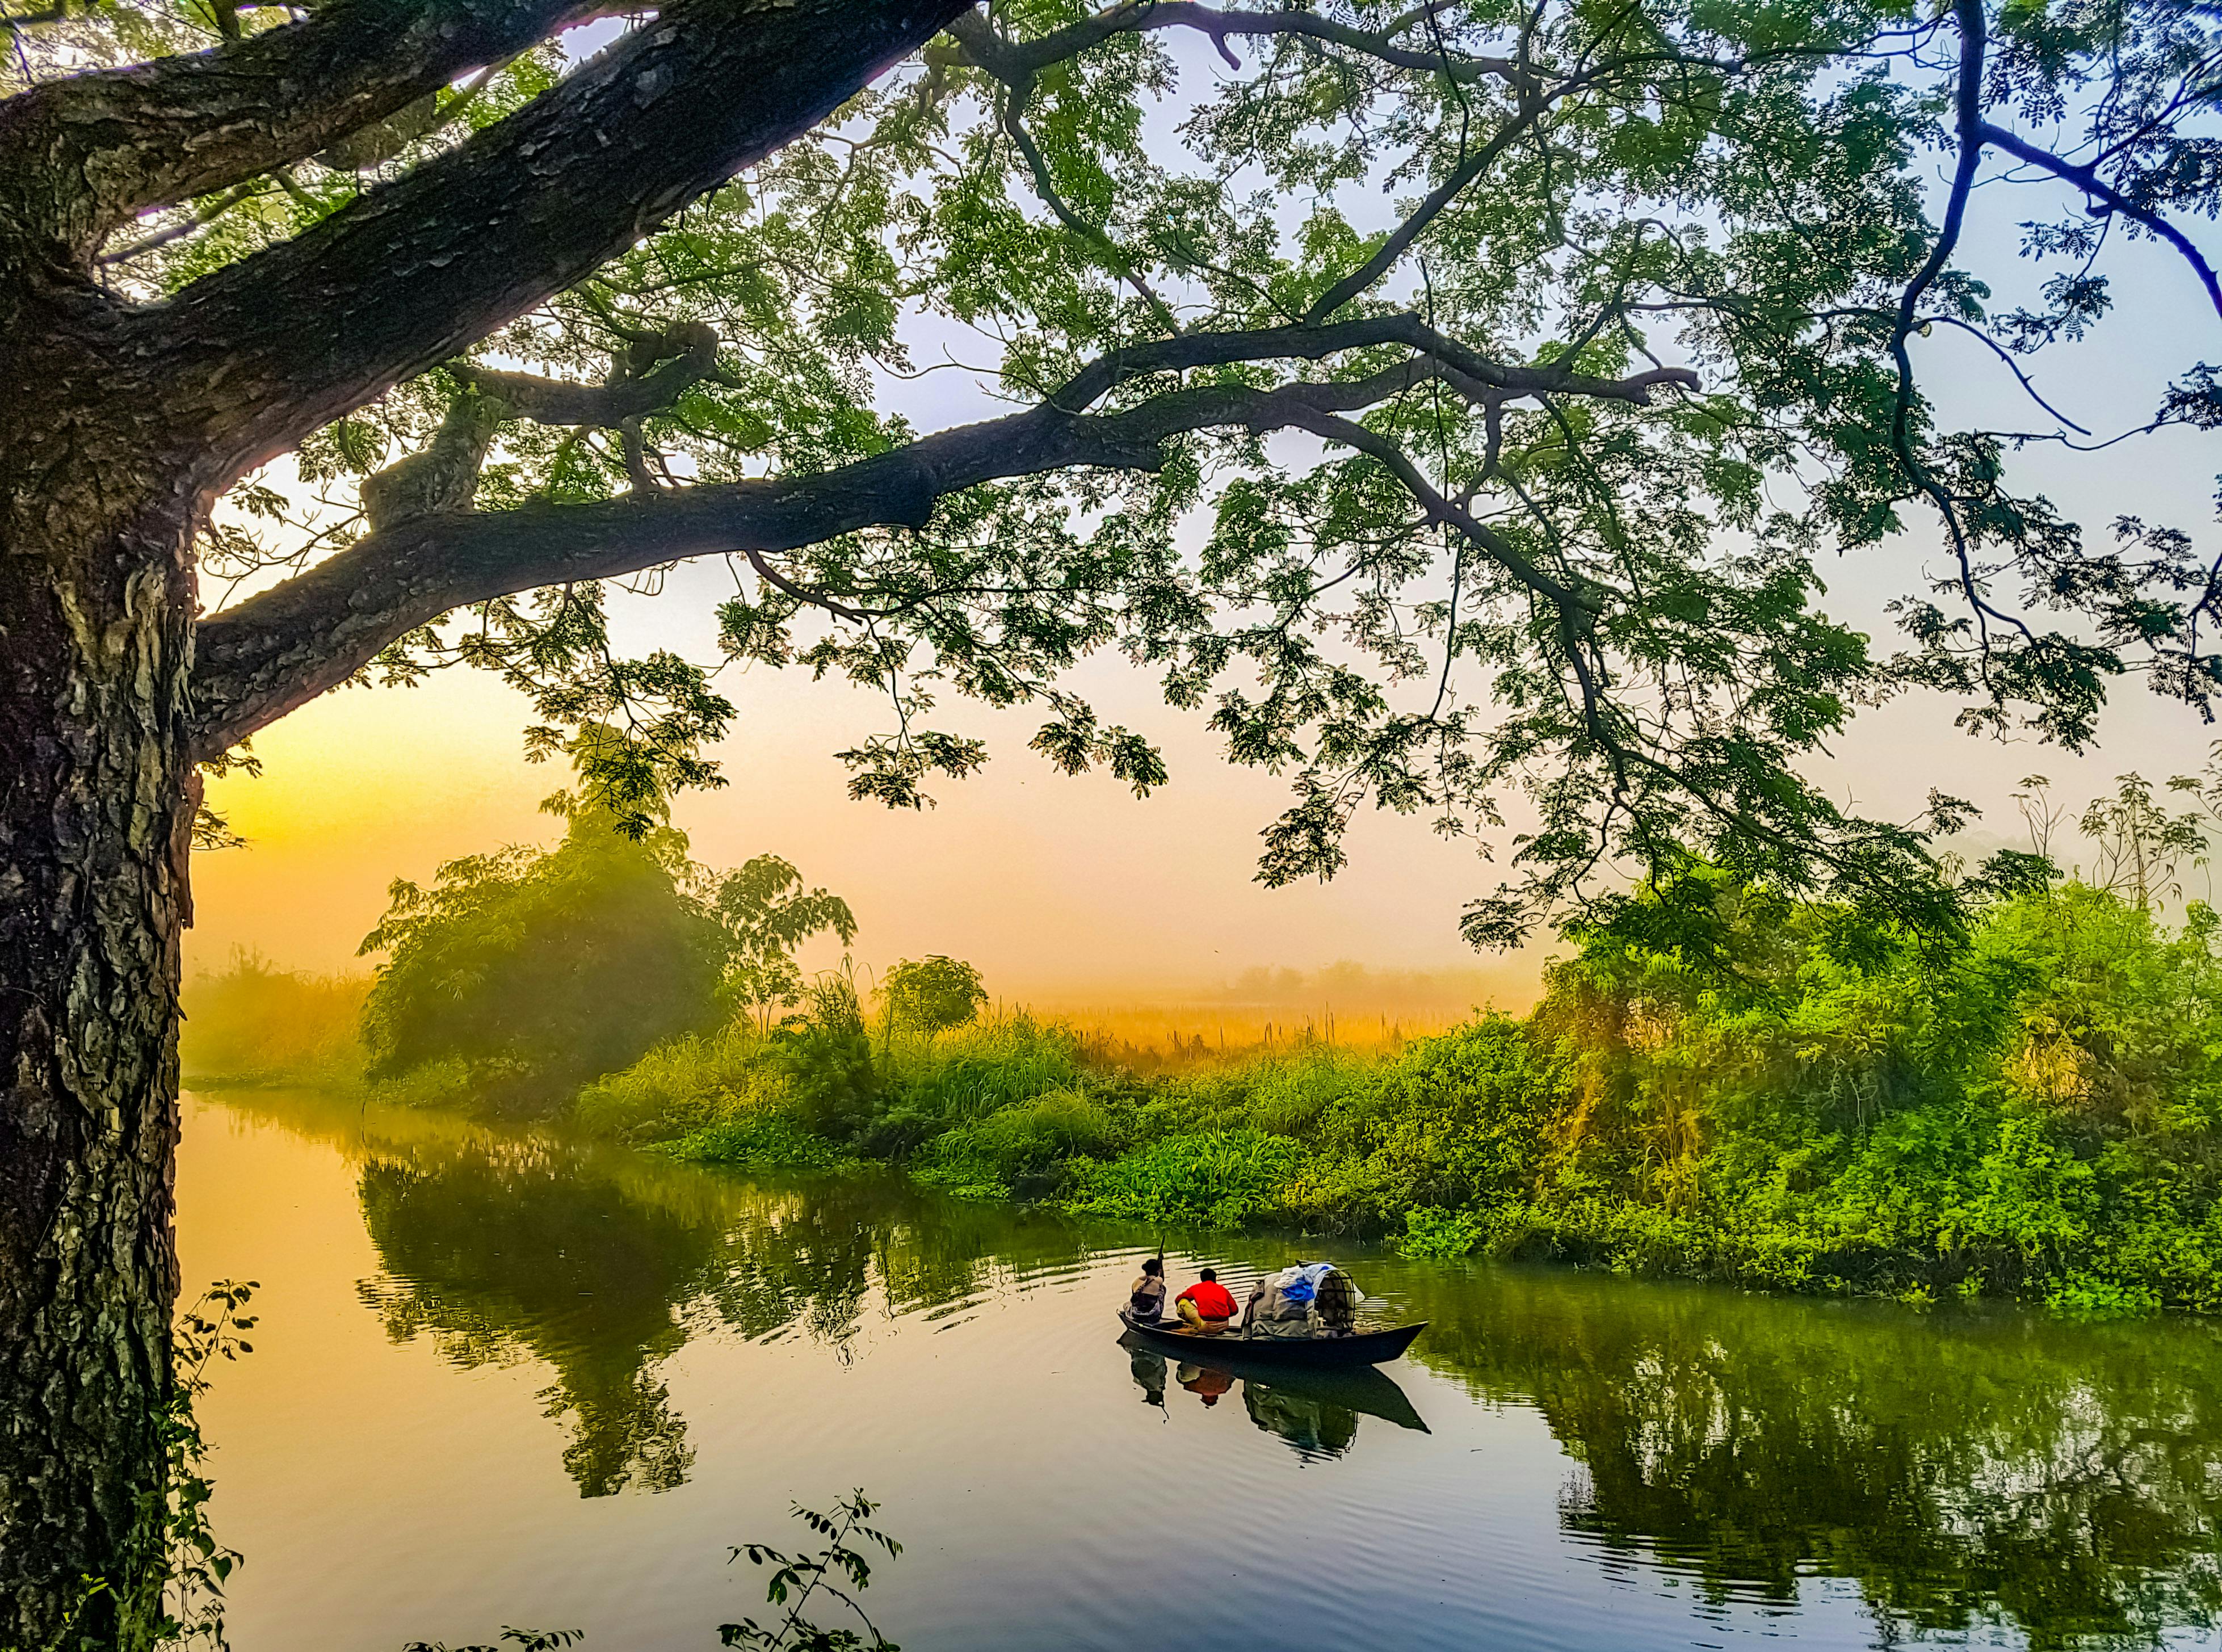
x=506, y=1379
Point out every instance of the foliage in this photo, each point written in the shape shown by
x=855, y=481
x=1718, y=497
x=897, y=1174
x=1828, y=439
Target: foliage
x=753, y=1139
x=539, y=969
x=519, y=976
x=1614, y=322
x=826, y=1055
x=682, y=1085
x=796, y=1578
x=2142, y=847
x=766, y=913
x=1023, y=1147
x=513, y=1640
x=932, y=993
x=1720, y=1080
x=187, y=1563
x=1216, y=1179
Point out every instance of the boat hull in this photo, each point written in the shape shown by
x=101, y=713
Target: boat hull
x=1317, y=1353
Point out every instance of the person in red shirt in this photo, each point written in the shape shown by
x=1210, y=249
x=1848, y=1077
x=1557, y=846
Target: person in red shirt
x=1206, y=1306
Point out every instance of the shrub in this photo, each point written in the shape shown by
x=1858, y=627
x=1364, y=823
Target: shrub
x=1218, y=1179
x=933, y=994
x=1026, y=1148
x=758, y=1141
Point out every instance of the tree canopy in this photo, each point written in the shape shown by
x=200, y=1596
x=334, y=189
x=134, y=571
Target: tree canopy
x=535, y=969
x=1607, y=324
x=932, y=993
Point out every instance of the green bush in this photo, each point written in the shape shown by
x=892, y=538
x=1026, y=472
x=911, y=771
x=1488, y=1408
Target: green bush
x=1718, y=1083
x=761, y=1140
x=683, y=1086
x=1216, y=1179
x=1027, y=1147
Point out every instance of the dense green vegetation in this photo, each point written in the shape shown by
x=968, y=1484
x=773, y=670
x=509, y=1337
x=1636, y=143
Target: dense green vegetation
x=1717, y=1081
x=518, y=976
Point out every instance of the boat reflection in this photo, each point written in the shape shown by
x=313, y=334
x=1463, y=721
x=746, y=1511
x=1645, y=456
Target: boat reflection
x=1316, y=1412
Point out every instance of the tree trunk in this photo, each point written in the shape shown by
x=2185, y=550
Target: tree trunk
x=96, y=809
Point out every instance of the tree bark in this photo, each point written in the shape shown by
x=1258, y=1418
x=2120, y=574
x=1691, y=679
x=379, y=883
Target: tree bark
x=97, y=797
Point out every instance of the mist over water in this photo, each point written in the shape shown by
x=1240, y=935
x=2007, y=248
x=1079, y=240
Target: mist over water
x=504, y=1377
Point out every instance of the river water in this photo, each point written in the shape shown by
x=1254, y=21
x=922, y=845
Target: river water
x=503, y=1378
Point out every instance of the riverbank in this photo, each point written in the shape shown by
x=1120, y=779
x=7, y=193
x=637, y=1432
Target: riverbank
x=1718, y=1084
x=1770, y=1097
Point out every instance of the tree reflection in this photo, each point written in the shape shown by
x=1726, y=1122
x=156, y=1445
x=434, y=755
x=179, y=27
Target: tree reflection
x=496, y=1256
x=501, y=1247
x=1963, y=1469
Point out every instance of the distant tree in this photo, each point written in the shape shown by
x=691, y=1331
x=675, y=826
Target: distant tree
x=766, y=913
x=539, y=969
x=932, y=993
x=2142, y=848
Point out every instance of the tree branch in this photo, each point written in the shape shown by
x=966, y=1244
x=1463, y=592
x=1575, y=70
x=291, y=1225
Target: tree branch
x=2086, y=179
x=81, y=156
x=257, y=355
x=1311, y=341
x=277, y=651
x=1009, y=60
x=688, y=354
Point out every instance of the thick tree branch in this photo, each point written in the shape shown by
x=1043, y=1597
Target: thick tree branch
x=81, y=156
x=688, y=355
x=1310, y=342
x=255, y=356
x=281, y=649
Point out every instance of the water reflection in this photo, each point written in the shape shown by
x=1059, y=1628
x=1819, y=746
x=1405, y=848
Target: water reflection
x=1316, y=1412
x=1963, y=1468
x=2062, y=1483
x=499, y=1256
x=501, y=1247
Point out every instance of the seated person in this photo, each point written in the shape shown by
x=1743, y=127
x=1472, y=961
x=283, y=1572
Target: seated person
x=1146, y=1298
x=1206, y=1306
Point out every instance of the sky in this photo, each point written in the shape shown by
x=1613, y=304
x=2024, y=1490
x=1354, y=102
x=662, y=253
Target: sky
x=1062, y=887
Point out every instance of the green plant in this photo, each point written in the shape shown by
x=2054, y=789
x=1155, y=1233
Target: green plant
x=931, y=995
x=1444, y=1234
x=796, y=1578
x=826, y=1055
x=537, y=970
x=766, y=913
x=513, y=1640
x=178, y=1554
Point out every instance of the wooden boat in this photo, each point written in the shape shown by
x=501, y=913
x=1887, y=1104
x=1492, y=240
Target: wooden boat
x=1367, y=1390
x=1175, y=1341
